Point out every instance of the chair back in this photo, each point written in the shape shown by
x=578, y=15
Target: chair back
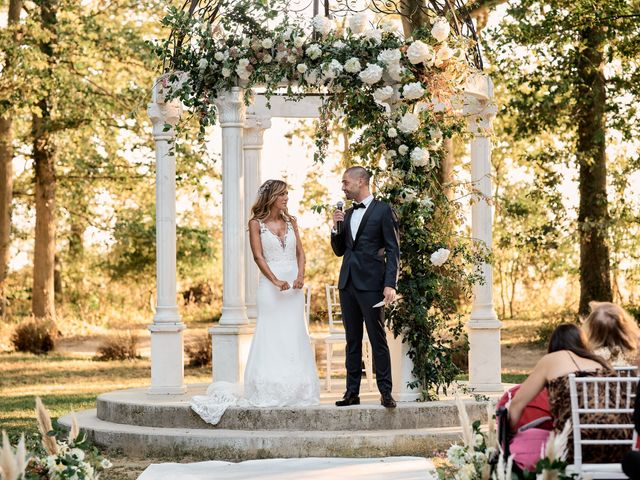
x=627, y=371
x=306, y=291
x=333, y=309
x=606, y=395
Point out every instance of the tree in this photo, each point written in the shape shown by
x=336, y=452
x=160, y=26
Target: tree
x=6, y=157
x=563, y=83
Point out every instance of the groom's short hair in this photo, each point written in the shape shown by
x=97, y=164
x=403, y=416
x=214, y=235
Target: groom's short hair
x=359, y=172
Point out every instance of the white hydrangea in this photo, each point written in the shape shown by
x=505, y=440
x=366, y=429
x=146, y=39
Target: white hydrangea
x=409, y=123
x=440, y=256
x=226, y=72
x=322, y=25
x=219, y=56
x=246, y=42
x=267, y=43
x=420, y=52
x=413, y=91
x=403, y=149
x=339, y=44
x=292, y=58
x=242, y=69
x=298, y=42
x=444, y=53
x=358, y=23
x=389, y=25
x=420, y=157
x=440, y=29
x=408, y=195
x=395, y=71
x=311, y=76
x=332, y=69
x=314, y=51
x=389, y=56
x=301, y=68
x=352, y=65
x=427, y=202
x=374, y=34
x=383, y=93
x=457, y=455
x=106, y=464
x=202, y=64
x=76, y=452
x=372, y=74
x=392, y=133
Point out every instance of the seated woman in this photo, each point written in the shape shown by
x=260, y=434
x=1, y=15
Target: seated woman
x=612, y=333
x=568, y=353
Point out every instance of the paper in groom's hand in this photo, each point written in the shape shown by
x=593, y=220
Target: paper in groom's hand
x=379, y=304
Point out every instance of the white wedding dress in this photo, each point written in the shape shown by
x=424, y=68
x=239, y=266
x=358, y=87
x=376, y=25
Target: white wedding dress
x=281, y=369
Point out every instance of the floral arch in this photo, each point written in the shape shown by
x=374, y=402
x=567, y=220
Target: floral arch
x=399, y=98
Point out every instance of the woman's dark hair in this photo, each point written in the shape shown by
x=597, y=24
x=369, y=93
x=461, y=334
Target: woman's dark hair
x=569, y=336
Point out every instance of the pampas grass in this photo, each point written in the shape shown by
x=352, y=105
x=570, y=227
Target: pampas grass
x=75, y=429
x=44, y=426
x=492, y=436
x=503, y=470
x=556, y=446
x=12, y=466
x=468, y=437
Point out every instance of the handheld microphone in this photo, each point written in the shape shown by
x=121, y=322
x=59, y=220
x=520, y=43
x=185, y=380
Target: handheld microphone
x=339, y=206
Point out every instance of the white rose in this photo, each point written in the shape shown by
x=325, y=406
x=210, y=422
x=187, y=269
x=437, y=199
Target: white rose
x=372, y=74
x=219, y=56
x=267, y=58
x=409, y=123
x=314, y=51
x=382, y=94
x=419, y=52
x=267, y=43
x=298, y=42
x=202, y=64
x=242, y=70
x=408, y=195
x=311, y=76
x=440, y=29
x=389, y=56
x=76, y=452
x=246, y=42
x=395, y=71
x=392, y=133
x=332, y=69
x=339, y=44
x=403, y=149
x=420, y=157
x=358, y=23
x=226, y=72
x=389, y=154
x=389, y=25
x=374, y=34
x=440, y=256
x=444, y=53
x=412, y=91
x=352, y=65
x=301, y=68
x=322, y=25
x=292, y=59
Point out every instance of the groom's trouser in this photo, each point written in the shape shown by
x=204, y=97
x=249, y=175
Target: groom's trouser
x=357, y=309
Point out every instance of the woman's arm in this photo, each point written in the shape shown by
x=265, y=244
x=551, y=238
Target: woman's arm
x=258, y=257
x=299, y=282
x=531, y=387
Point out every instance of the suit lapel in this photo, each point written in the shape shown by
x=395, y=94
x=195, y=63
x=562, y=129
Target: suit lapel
x=347, y=224
x=365, y=218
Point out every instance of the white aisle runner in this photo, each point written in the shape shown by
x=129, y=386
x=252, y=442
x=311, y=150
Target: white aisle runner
x=389, y=468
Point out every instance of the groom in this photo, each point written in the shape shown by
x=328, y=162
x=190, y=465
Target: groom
x=368, y=241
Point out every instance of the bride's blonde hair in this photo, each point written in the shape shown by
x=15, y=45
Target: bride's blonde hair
x=267, y=195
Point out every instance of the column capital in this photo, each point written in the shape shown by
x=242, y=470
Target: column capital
x=231, y=107
x=163, y=115
x=254, y=127
x=480, y=115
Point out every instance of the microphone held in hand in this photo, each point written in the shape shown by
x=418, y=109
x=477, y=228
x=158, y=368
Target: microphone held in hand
x=339, y=206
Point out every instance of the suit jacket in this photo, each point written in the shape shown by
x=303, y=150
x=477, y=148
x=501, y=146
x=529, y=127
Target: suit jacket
x=372, y=260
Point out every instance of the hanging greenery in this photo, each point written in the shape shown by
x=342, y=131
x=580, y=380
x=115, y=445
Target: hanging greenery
x=398, y=97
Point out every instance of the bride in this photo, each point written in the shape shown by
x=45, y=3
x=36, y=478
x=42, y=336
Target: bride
x=281, y=370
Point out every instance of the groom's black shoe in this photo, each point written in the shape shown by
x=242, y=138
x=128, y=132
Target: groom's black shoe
x=348, y=399
x=387, y=401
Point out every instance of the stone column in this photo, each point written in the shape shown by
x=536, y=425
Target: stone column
x=167, y=364
x=232, y=337
x=401, y=369
x=483, y=326
x=253, y=141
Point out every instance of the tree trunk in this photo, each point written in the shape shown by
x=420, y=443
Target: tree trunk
x=593, y=216
x=6, y=172
x=44, y=155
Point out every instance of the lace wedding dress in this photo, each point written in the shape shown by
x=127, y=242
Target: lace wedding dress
x=281, y=370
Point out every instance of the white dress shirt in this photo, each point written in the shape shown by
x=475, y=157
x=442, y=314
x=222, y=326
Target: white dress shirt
x=356, y=216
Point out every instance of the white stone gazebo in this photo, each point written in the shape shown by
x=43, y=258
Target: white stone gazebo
x=242, y=139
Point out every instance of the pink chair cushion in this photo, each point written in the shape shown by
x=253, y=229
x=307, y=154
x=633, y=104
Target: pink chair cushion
x=526, y=447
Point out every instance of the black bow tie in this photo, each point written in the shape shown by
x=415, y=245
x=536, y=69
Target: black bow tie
x=356, y=206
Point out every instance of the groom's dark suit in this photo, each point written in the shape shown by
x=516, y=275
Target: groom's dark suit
x=370, y=263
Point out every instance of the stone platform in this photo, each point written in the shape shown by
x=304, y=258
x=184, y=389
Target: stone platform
x=139, y=424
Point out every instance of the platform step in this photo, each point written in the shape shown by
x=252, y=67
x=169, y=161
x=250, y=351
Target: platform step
x=136, y=407
x=236, y=445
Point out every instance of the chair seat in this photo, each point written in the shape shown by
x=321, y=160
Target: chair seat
x=599, y=470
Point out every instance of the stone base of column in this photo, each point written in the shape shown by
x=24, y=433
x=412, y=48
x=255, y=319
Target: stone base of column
x=401, y=368
x=167, y=359
x=484, y=356
x=231, y=344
